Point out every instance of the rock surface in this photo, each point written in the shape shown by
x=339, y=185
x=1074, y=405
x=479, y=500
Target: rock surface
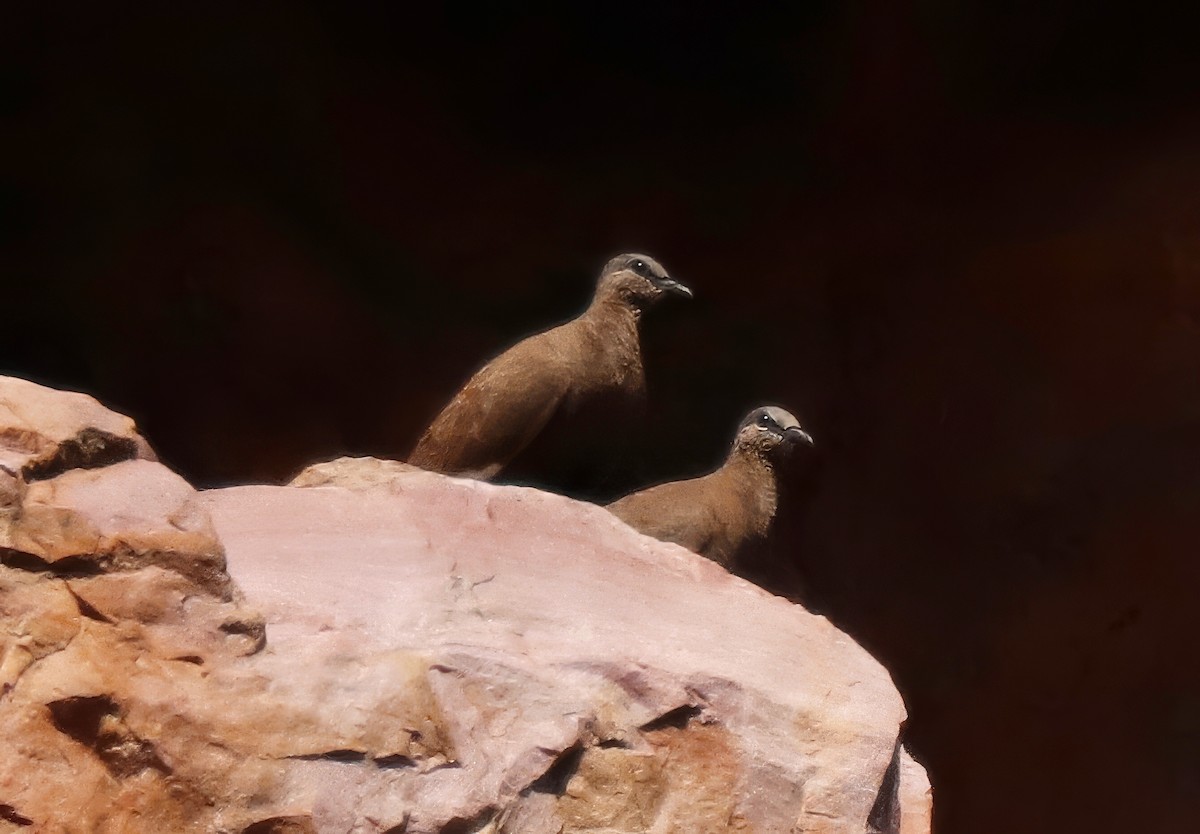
x=44, y=432
x=438, y=655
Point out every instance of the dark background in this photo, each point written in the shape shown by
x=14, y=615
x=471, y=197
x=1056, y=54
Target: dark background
x=963, y=244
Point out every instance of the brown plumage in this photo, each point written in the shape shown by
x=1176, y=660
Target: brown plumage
x=723, y=514
x=570, y=377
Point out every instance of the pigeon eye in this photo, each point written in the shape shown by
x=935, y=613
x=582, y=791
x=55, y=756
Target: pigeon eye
x=639, y=265
x=763, y=422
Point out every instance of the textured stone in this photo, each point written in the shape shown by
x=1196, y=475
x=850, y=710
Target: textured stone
x=44, y=432
x=573, y=674
x=413, y=654
x=129, y=515
x=114, y=610
x=916, y=797
x=354, y=473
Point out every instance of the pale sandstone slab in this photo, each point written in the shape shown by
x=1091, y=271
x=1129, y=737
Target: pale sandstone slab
x=354, y=473
x=554, y=640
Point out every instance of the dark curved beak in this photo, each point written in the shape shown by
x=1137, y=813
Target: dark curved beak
x=799, y=435
x=671, y=285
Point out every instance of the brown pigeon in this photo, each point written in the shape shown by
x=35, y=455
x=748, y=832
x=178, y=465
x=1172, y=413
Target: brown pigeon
x=570, y=382
x=723, y=514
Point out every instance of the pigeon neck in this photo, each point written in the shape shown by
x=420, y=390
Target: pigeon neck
x=752, y=475
x=612, y=305
x=745, y=456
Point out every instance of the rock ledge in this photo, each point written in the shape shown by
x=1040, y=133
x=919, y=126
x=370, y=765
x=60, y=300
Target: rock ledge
x=389, y=650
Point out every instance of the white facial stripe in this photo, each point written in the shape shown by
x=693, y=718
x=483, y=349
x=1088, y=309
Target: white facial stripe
x=784, y=419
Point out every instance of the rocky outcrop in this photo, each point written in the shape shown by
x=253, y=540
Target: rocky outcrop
x=115, y=605
x=44, y=432
x=397, y=651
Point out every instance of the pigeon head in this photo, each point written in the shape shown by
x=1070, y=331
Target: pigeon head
x=639, y=280
x=772, y=432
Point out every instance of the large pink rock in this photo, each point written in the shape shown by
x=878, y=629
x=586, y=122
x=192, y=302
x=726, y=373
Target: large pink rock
x=559, y=671
x=395, y=651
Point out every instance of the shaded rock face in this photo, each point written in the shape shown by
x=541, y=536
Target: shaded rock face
x=405, y=652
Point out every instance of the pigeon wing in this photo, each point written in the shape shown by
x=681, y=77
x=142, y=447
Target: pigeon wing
x=500, y=410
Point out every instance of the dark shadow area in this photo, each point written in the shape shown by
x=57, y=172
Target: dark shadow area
x=558, y=774
x=961, y=241
x=676, y=719
x=10, y=814
x=96, y=722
